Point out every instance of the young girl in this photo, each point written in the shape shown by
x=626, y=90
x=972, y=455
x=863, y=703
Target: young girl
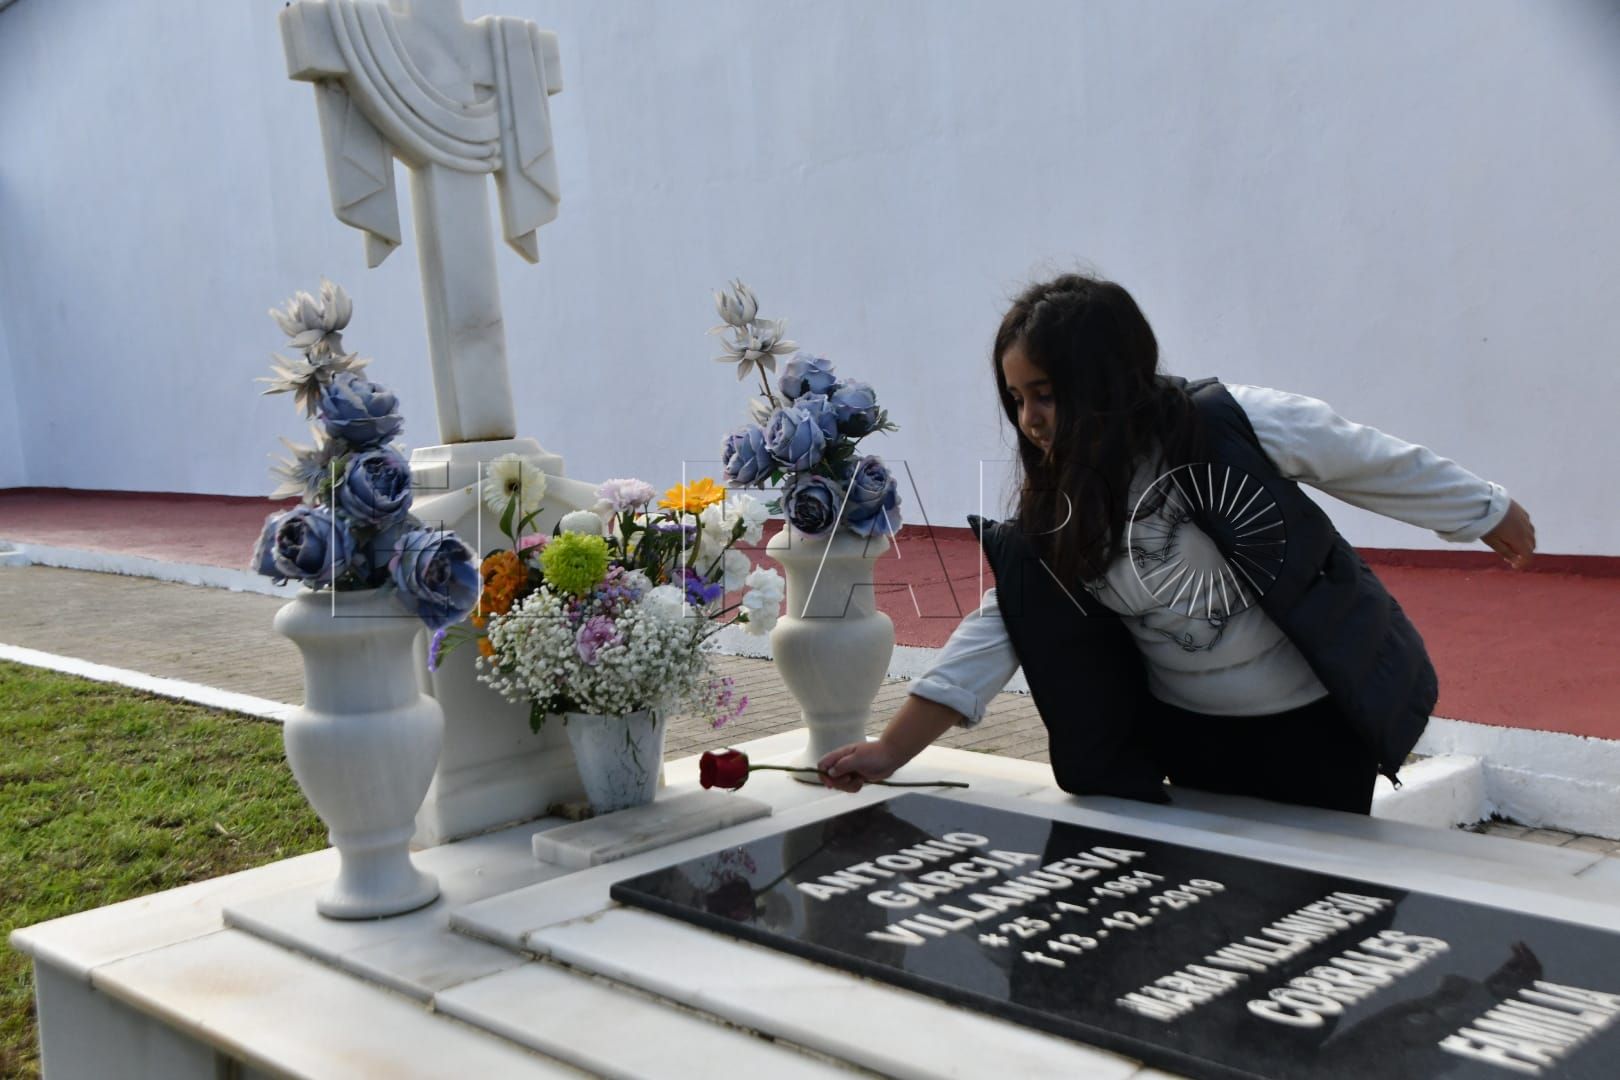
x=1180, y=609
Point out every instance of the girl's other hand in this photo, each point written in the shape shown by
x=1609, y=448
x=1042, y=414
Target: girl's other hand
x=1514, y=537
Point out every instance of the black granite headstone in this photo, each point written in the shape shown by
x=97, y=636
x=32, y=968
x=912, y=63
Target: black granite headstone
x=1208, y=964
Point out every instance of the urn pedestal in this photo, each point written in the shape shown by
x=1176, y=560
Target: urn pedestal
x=832, y=645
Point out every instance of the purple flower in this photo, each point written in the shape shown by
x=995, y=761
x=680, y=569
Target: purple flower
x=437, y=576
x=376, y=488
x=434, y=646
x=699, y=592
x=874, y=500
x=811, y=503
x=597, y=634
x=307, y=544
x=359, y=411
x=806, y=374
x=822, y=412
x=794, y=437
x=855, y=405
x=745, y=459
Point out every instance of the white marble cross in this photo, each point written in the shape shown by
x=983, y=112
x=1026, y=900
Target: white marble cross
x=455, y=101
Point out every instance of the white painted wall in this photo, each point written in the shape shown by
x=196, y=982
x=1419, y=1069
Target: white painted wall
x=13, y=468
x=1404, y=209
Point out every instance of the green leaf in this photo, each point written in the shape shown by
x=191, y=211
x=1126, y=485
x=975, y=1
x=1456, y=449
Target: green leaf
x=537, y=716
x=506, y=520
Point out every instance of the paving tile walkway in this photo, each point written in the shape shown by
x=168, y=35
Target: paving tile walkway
x=225, y=640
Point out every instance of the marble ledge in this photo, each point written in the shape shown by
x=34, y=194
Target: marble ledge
x=243, y=996
x=889, y=1030
x=1472, y=880
x=1366, y=843
x=584, y=1020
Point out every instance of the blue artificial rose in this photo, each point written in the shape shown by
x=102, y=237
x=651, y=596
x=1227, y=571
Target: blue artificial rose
x=806, y=374
x=822, y=412
x=874, y=500
x=359, y=412
x=264, y=552
x=373, y=557
x=794, y=437
x=375, y=491
x=811, y=503
x=306, y=544
x=855, y=405
x=437, y=576
x=745, y=459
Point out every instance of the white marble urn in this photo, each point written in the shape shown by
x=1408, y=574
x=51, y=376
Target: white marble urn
x=364, y=745
x=832, y=645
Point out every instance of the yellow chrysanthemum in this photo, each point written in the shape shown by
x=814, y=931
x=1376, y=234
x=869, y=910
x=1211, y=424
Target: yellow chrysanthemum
x=692, y=498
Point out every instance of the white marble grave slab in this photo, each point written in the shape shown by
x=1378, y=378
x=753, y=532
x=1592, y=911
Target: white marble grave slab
x=666, y=820
x=416, y=953
x=277, y=1011
x=78, y=943
x=610, y=1031
x=883, y=1028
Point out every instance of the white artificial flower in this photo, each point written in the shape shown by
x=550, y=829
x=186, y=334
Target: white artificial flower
x=314, y=326
x=753, y=514
x=759, y=343
x=302, y=474
x=759, y=410
x=735, y=568
x=306, y=376
x=513, y=475
x=767, y=581
x=582, y=521
x=763, y=601
x=737, y=307
x=619, y=495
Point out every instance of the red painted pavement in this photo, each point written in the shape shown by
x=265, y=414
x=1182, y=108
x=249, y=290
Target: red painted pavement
x=1531, y=650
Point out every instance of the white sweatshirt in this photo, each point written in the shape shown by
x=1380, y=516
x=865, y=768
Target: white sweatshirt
x=1242, y=665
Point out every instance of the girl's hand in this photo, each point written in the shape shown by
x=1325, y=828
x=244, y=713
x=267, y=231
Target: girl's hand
x=1514, y=537
x=850, y=767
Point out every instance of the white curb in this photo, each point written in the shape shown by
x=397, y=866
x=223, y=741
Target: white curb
x=112, y=562
x=179, y=689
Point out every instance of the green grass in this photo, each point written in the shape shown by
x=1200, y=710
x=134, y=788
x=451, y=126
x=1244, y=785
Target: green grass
x=107, y=794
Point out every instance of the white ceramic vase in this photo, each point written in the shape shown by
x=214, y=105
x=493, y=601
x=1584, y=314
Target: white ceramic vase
x=620, y=758
x=832, y=645
x=365, y=744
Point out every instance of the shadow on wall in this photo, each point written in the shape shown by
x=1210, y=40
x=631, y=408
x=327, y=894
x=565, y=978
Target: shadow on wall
x=1595, y=24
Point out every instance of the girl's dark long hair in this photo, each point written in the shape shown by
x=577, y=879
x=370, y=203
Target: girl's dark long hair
x=1113, y=412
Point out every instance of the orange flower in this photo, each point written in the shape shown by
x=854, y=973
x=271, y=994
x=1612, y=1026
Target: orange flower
x=504, y=574
x=692, y=498
x=486, y=647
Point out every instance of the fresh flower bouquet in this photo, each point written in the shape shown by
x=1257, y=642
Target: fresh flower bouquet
x=804, y=435
x=609, y=614
x=353, y=528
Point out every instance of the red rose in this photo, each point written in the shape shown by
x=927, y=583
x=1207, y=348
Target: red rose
x=728, y=769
